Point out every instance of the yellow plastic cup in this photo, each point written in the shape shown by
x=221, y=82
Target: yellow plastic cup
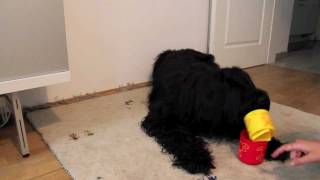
x=259, y=125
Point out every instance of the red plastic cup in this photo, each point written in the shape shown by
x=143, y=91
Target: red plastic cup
x=251, y=152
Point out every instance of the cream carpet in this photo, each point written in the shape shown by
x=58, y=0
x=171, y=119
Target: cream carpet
x=117, y=149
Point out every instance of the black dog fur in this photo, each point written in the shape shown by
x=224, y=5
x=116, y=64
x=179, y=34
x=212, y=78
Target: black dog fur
x=193, y=98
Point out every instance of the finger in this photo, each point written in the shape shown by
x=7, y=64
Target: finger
x=299, y=154
x=289, y=147
x=281, y=149
x=303, y=160
x=293, y=154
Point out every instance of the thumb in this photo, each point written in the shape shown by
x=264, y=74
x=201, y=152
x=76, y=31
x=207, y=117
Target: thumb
x=303, y=160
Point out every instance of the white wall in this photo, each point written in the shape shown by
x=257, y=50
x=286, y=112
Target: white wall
x=112, y=42
x=281, y=28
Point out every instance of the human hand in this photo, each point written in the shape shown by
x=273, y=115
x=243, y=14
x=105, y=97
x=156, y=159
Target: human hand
x=301, y=151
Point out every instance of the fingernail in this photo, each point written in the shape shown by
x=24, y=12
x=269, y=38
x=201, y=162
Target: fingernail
x=292, y=163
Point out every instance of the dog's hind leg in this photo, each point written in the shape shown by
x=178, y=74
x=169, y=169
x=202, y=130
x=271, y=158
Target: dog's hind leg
x=272, y=146
x=187, y=151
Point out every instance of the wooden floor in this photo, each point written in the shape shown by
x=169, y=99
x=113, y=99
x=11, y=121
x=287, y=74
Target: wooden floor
x=41, y=164
x=289, y=87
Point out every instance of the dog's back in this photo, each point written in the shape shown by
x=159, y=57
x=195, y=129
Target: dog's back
x=173, y=66
x=175, y=60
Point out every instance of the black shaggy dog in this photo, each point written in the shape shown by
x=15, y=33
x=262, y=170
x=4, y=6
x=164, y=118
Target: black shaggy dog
x=192, y=98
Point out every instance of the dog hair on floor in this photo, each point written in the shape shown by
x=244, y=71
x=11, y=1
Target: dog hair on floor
x=192, y=98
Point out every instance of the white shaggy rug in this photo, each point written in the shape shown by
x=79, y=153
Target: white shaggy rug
x=115, y=148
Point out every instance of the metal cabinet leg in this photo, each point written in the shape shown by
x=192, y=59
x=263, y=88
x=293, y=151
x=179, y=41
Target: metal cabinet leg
x=24, y=148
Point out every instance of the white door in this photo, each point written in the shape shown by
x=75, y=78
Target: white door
x=240, y=31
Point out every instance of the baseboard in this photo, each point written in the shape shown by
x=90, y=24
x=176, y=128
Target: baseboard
x=281, y=55
x=127, y=87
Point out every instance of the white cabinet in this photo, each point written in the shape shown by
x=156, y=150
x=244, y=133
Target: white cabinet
x=33, y=51
x=32, y=39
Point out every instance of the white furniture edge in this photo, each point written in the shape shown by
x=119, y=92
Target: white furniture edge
x=11, y=87
x=22, y=135
x=33, y=82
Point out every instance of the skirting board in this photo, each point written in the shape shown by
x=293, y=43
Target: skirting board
x=281, y=55
x=128, y=87
x=33, y=82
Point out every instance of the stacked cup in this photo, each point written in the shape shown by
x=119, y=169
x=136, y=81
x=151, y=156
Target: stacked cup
x=254, y=139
